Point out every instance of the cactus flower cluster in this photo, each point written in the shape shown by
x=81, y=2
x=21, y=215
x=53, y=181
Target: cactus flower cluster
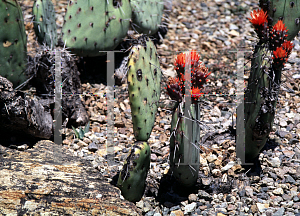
x=199, y=73
x=275, y=37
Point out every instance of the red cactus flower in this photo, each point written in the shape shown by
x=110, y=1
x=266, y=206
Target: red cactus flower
x=279, y=53
x=278, y=35
x=279, y=26
x=196, y=93
x=176, y=86
x=180, y=60
x=259, y=17
x=288, y=46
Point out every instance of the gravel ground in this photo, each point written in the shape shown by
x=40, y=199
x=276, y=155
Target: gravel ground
x=217, y=29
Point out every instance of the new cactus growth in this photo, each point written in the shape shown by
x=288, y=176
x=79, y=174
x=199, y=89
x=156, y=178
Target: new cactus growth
x=261, y=95
x=133, y=175
x=147, y=15
x=93, y=26
x=144, y=77
x=44, y=22
x=185, y=136
x=13, y=54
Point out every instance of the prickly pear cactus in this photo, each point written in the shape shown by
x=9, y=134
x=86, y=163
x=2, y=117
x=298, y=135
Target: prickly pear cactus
x=288, y=11
x=13, y=51
x=185, y=170
x=133, y=175
x=93, y=26
x=147, y=15
x=44, y=22
x=144, y=77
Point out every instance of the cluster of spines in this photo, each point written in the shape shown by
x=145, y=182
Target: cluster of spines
x=199, y=73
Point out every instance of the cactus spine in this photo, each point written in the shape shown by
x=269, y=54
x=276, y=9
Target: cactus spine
x=13, y=61
x=144, y=77
x=44, y=22
x=270, y=55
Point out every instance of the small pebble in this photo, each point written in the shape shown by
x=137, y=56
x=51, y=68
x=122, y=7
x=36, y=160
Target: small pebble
x=92, y=147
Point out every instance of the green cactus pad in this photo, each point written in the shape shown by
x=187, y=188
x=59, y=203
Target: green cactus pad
x=134, y=173
x=185, y=170
x=144, y=77
x=288, y=11
x=93, y=26
x=147, y=15
x=44, y=22
x=13, y=50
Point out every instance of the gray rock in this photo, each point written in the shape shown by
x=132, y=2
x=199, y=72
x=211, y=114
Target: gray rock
x=92, y=147
x=289, y=179
x=279, y=212
x=204, y=195
x=275, y=162
x=192, y=198
x=190, y=208
x=233, y=27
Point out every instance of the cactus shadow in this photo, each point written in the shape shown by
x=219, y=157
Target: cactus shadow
x=255, y=169
x=171, y=192
x=94, y=69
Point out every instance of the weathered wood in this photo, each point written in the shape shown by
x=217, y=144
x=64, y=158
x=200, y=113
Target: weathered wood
x=48, y=180
x=42, y=69
x=20, y=113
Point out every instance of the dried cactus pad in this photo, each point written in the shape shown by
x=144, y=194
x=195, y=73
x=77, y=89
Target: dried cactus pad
x=13, y=47
x=93, y=26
